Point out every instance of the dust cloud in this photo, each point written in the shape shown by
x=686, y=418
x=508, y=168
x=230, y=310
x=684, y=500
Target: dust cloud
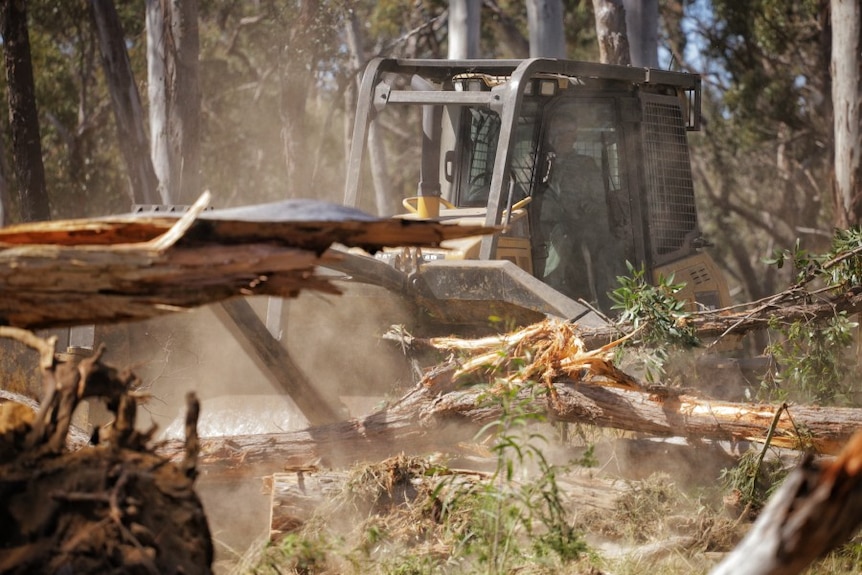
x=334, y=340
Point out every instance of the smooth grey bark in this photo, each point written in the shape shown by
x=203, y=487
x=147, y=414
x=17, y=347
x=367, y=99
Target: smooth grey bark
x=173, y=48
x=387, y=204
x=464, y=26
x=156, y=95
x=642, y=27
x=545, y=22
x=23, y=114
x=846, y=95
x=128, y=111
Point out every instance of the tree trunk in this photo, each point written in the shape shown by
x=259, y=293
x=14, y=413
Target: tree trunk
x=385, y=201
x=296, y=80
x=128, y=112
x=642, y=26
x=185, y=100
x=464, y=26
x=158, y=99
x=173, y=49
x=427, y=420
x=611, y=32
x=846, y=96
x=23, y=116
x=545, y=21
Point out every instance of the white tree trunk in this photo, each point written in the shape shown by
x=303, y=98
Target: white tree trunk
x=174, y=97
x=156, y=94
x=545, y=21
x=464, y=26
x=845, y=66
x=185, y=105
x=642, y=26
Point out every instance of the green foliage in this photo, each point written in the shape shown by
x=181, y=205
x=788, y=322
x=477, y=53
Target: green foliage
x=657, y=313
x=300, y=554
x=515, y=518
x=815, y=359
x=839, y=268
x=754, y=479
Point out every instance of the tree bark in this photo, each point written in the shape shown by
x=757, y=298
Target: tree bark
x=427, y=420
x=464, y=26
x=611, y=32
x=157, y=98
x=128, y=112
x=642, y=26
x=23, y=116
x=545, y=21
x=173, y=47
x=86, y=271
x=846, y=105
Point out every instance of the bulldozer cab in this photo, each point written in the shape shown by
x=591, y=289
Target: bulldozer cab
x=584, y=166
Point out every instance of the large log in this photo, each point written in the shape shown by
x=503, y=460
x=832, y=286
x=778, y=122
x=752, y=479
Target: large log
x=129, y=268
x=426, y=420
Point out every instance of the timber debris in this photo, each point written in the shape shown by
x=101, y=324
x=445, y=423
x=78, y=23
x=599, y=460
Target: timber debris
x=115, y=507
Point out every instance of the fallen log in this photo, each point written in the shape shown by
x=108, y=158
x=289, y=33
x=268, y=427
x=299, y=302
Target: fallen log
x=60, y=273
x=424, y=421
x=553, y=373
x=816, y=509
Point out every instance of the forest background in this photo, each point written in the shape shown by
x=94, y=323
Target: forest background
x=276, y=85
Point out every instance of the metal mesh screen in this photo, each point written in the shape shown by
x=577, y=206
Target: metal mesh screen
x=669, y=189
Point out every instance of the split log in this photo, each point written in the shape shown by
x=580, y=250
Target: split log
x=816, y=509
x=129, y=268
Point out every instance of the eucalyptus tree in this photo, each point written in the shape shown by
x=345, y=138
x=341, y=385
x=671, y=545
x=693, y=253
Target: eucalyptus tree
x=846, y=71
x=762, y=162
x=23, y=115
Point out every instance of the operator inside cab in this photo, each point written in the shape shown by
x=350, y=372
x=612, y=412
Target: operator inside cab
x=580, y=255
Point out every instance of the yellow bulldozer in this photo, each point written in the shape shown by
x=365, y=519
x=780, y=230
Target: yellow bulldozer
x=581, y=167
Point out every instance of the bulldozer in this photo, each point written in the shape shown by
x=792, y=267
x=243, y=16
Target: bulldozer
x=580, y=167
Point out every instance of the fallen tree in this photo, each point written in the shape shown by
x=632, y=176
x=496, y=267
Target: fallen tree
x=561, y=379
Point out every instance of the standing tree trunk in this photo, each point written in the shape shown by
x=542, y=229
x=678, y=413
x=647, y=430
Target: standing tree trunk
x=295, y=71
x=611, y=32
x=642, y=26
x=23, y=116
x=464, y=26
x=173, y=47
x=386, y=202
x=128, y=112
x=846, y=94
x=545, y=20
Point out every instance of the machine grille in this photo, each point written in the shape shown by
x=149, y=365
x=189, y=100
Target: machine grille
x=669, y=189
